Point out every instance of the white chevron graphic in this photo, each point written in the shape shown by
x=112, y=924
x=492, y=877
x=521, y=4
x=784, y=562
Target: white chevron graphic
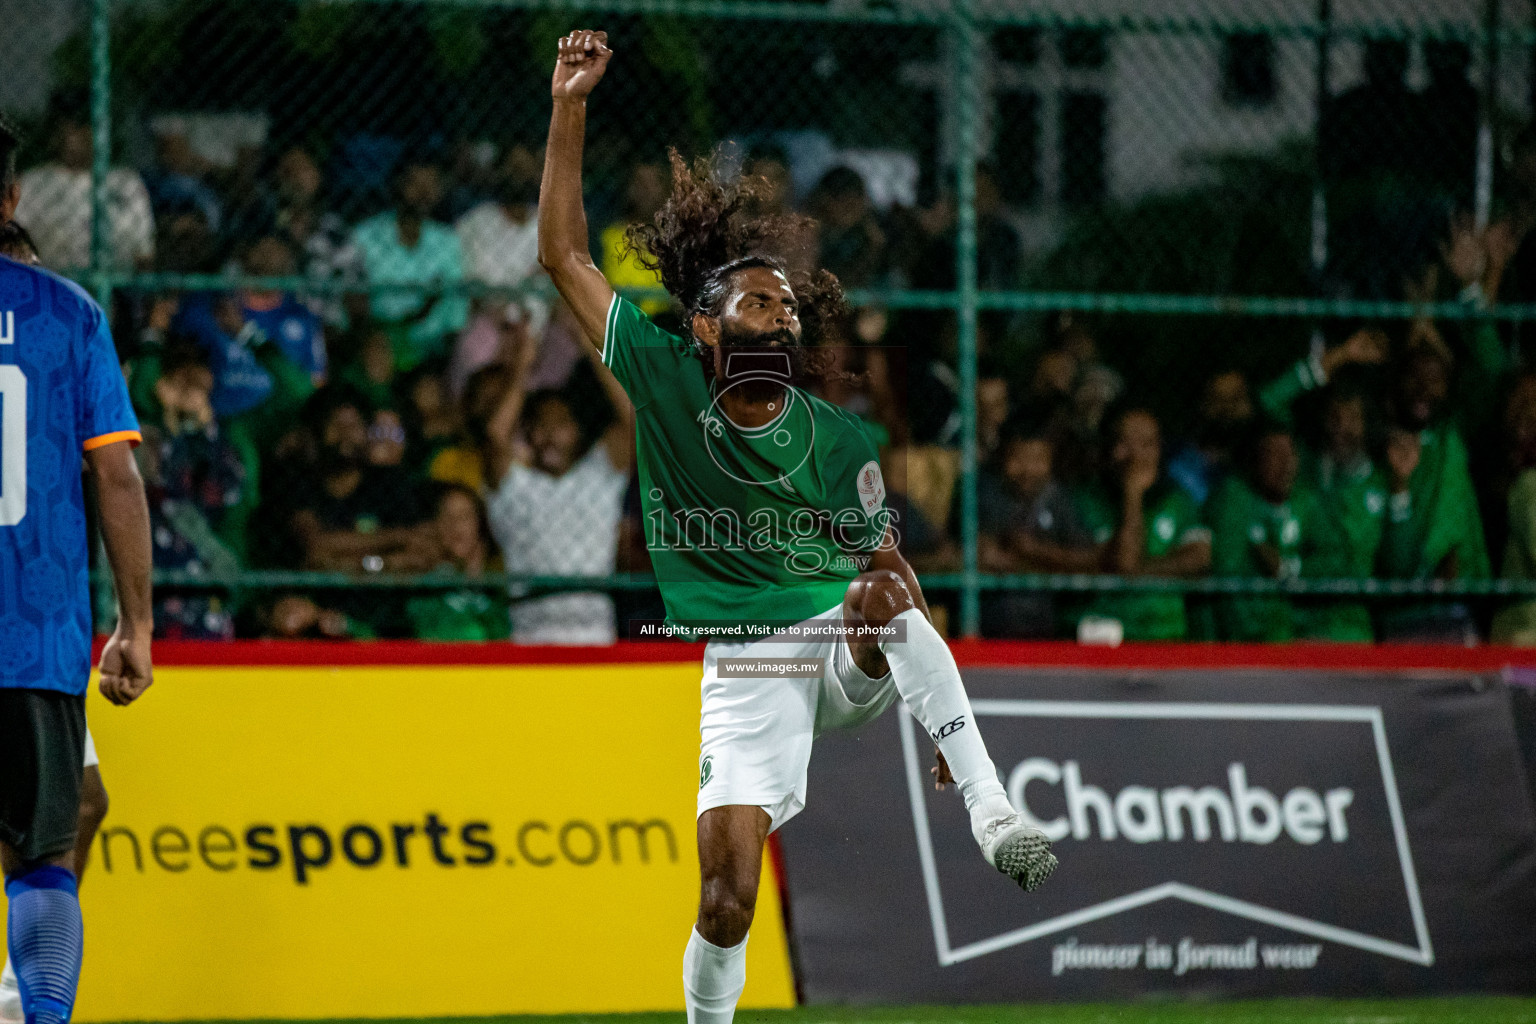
x=1422, y=954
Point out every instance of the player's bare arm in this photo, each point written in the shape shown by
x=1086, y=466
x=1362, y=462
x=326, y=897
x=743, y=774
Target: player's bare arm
x=501, y=428
x=563, y=250
x=126, y=669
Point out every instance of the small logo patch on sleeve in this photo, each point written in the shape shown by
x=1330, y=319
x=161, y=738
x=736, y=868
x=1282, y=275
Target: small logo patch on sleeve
x=871, y=487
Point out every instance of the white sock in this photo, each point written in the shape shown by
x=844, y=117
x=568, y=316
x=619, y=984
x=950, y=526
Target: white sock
x=10, y=995
x=927, y=679
x=713, y=979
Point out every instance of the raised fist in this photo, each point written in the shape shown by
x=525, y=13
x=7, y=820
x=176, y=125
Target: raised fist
x=583, y=58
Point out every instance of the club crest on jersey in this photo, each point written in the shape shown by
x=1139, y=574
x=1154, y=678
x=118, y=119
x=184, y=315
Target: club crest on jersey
x=871, y=487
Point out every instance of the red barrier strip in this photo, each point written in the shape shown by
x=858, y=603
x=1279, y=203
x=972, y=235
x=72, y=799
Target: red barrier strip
x=969, y=653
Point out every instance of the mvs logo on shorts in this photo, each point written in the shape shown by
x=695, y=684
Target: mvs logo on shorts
x=1222, y=821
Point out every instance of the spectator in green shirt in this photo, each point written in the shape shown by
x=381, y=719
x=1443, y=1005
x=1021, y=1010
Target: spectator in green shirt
x=464, y=539
x=1350, y=485
x=372, y=371
x=1516, y=623
x=1147, y=526
x=1264, y=525
x=1433, y=529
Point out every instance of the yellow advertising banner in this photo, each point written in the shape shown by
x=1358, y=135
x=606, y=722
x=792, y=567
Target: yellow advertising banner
x=386, y=841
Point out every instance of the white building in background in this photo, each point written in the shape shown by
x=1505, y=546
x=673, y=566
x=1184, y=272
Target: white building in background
x=1118, y=116
x=30, y=32
x=1133, y=113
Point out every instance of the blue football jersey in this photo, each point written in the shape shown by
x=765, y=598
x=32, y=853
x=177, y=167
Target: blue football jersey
x=296, y=331
x=62, y=393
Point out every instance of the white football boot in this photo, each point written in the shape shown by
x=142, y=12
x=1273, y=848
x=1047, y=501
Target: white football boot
x=1020, y=851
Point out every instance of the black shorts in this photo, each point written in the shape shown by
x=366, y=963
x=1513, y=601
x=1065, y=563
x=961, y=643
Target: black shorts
x=42, y=748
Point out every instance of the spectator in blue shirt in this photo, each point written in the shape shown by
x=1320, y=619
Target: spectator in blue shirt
x=287, y=322
x=1225, y=413
x=266, y=349
x=406, y=245
x=179, y=178
x=217, y=325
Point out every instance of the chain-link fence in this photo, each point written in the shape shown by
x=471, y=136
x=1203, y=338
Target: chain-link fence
x=1174, y=319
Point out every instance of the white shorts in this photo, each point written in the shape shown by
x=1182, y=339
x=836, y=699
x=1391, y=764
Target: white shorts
x=91, y=760
x=755, y=733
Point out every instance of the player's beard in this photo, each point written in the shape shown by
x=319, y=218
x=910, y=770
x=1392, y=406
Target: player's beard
x=760, y=358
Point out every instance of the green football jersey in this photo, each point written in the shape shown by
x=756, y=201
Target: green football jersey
x=1304, y=538
x=1437, y=515
x=749, y=526
x=1171, y=519
x=1355, y=498
x=459, y=615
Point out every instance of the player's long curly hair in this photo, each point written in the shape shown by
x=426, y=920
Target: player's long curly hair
x=709, y=228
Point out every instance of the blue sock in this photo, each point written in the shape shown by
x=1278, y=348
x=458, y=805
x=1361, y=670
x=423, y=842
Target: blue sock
x=46, y=940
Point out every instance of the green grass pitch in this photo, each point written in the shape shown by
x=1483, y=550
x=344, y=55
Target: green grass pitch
x=1463, y=1010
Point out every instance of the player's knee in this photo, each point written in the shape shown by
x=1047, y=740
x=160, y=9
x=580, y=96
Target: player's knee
x=877, y=596
x=728, y=895
x=726, y=907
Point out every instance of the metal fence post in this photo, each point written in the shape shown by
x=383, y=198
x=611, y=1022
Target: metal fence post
x=965, y=42
x=1322, y=95
x=1482, y=189
x=103, y=598
x=101, y=138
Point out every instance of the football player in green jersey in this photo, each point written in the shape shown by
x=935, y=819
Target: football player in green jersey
x=765, y=517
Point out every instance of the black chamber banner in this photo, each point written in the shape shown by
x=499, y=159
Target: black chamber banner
x=1220, y=834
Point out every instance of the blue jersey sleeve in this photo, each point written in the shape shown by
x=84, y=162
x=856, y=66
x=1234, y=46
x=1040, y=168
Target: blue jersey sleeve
x=105, y=412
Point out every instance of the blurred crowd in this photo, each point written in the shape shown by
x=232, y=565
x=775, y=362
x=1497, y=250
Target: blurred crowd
x=361, y=429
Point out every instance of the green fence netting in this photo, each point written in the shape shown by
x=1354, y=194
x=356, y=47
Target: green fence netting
x=1258, y=240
